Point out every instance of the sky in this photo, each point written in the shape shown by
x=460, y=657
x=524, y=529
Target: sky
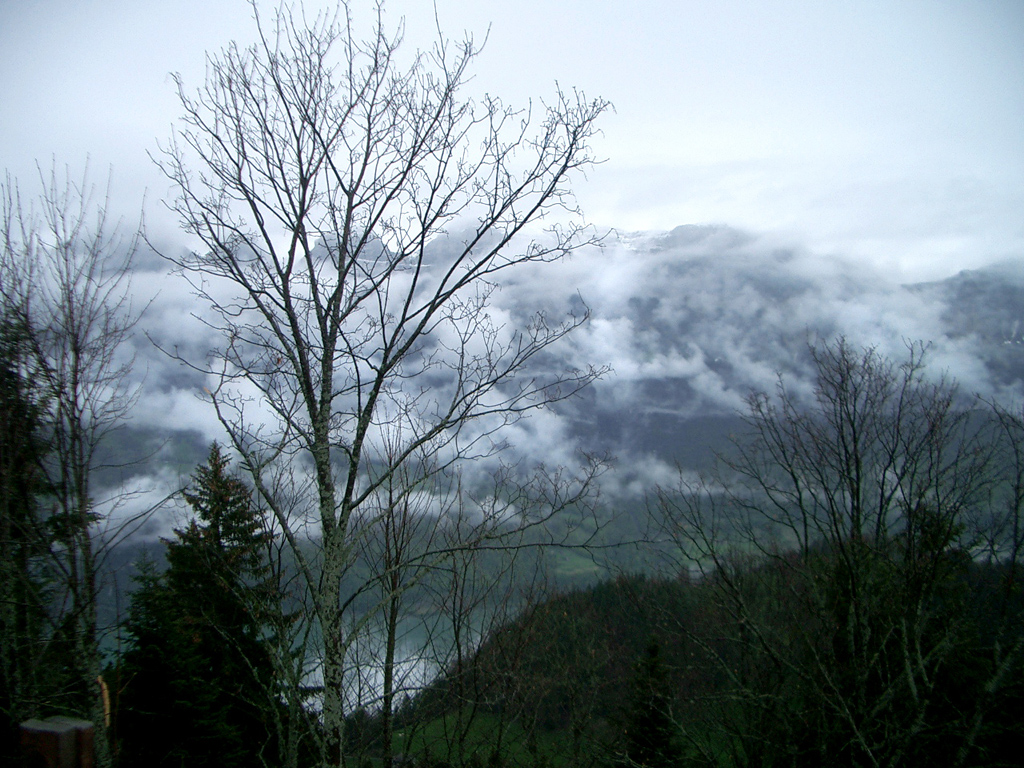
x=888, y=132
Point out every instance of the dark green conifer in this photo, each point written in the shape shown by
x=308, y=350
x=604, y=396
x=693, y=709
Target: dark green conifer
x=650, y=738
x=199, y=687
x=29, y=684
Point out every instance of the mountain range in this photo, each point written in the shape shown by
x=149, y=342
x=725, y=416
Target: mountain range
x=687, y=322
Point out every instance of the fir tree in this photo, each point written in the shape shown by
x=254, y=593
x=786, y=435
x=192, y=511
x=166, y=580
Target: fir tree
x=28, y=685
x=146, y=721
x=199, y=679
x=650, y=740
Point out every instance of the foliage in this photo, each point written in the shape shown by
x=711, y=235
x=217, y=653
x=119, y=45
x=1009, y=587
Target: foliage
x=838, y=545
x=31, y=682
x=650, y=734
x=198, y=679
x=548, y=684
x=845, y=591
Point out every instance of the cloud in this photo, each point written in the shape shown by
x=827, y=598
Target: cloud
x=179, y=410
x=688, y=321
x=145, y=507
x=692, y=320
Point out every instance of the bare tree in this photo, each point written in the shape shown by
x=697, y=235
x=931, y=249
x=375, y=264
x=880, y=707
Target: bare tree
x=835, y=546
x=488, y=577
x=399, y=541
x=328, y=175
x=290, y=697
x=66, y=275
x=1000, y=538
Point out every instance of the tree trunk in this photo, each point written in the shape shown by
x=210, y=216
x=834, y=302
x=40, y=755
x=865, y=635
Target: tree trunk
x=334, y=641
x=387, y=701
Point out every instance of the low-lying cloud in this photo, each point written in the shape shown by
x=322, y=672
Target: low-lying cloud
x=688, y=322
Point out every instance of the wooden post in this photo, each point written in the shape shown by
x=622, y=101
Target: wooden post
x=59, y=742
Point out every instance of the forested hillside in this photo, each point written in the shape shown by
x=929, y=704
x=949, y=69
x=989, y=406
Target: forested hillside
x=658, y=672
x=843, y=588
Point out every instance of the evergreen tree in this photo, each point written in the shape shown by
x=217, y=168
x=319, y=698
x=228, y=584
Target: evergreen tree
x=148, y=720
x=199, y=680
x=650, y=740
x=39, y=671
x=27, y=686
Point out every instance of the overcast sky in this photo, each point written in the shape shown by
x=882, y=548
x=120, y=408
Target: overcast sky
x=888, y=131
